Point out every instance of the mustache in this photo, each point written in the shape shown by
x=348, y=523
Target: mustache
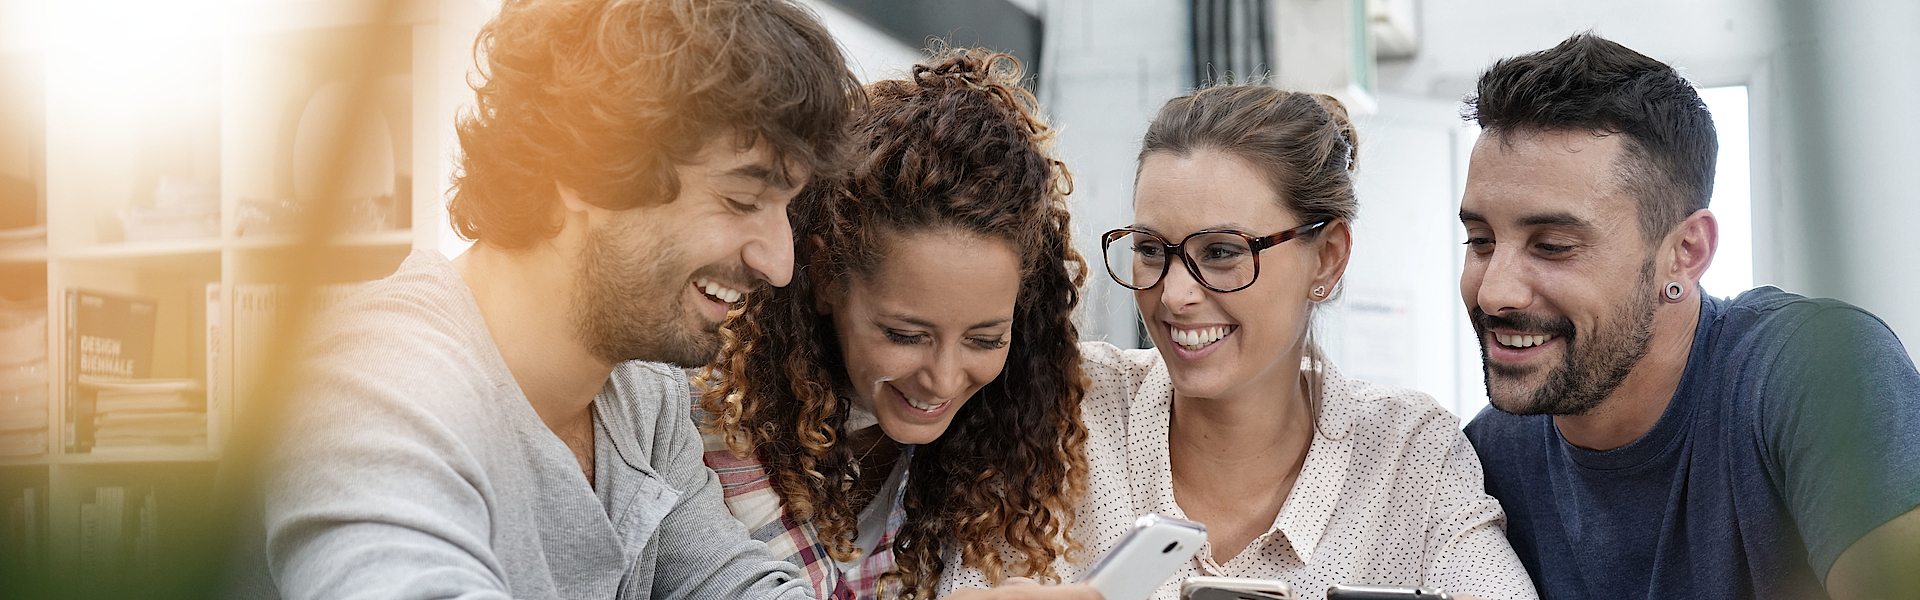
x=1554, y=326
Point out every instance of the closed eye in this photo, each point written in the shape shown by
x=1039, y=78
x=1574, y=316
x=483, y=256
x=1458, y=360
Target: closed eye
x=740, y=207
x=989, y=344
x=1552, y=249
x=903, y=338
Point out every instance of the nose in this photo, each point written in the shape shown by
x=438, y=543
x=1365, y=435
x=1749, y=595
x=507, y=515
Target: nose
x=1179, y=289
x=771, y=253
x=945, y=378
x=1503, y=284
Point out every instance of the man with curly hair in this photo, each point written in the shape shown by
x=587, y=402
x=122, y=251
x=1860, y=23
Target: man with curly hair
x=483, y=427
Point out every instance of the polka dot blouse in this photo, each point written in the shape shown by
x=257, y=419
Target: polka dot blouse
x=1390, y=493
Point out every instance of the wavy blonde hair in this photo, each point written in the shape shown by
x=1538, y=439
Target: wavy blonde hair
x=958, y=146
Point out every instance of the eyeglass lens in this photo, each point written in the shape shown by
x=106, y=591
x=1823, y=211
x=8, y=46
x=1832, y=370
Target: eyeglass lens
x=1224, y=260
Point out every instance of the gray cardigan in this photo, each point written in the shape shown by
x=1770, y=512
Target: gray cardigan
x=415, y=468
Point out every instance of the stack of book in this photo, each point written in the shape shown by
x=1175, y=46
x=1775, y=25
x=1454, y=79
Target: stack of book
x=109, y=339
x=146, y=412
x=26, y=526
x=23, y=377
x=119, y=531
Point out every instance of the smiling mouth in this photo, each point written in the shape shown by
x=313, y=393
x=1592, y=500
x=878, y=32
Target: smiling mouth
x=1195, y=339
x=922, y=405
x=717, y=291
x=916, y=404
x=1521, y=340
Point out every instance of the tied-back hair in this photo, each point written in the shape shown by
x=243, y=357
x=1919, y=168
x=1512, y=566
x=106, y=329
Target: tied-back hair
x=607, y=96
x=1588, y=83
x=959, y=148
x=1303, y=144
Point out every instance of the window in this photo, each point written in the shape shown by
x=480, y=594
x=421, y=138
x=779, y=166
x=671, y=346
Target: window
x=1732, y=270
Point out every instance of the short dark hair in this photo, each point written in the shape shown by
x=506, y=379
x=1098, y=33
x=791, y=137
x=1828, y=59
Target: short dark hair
x=1588, y=83
x=607, y=96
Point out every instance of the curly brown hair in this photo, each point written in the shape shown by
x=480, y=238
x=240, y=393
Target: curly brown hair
x=958, y=146
x=606, y=96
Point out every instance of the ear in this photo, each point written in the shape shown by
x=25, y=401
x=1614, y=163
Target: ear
x=1335, y=247
x=1689, y=249
x=570, y=200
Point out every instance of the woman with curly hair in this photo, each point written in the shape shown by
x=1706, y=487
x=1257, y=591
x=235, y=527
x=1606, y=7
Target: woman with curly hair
x=917, y=386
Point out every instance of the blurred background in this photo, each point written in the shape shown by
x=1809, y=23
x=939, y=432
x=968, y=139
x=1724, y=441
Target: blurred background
x=181, y=181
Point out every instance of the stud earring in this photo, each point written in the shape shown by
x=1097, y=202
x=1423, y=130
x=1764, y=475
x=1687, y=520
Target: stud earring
x=1320, y=291
x=1674, y=291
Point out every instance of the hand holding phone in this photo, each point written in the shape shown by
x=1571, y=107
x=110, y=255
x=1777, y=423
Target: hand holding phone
x=1146, y=557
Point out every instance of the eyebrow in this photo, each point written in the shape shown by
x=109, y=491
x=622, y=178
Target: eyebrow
x=1556, y=219
x=930, y=325
x=758, y=172
x=1226, y=226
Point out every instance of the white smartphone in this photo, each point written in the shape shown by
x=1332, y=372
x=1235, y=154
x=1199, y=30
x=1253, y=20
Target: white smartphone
x=1201, y=587
x=1145, y=557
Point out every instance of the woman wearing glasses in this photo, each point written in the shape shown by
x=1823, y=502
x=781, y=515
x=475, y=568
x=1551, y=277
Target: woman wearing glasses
x=1242, y=202
x=916, y=388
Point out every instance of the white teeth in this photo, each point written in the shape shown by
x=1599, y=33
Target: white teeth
x=922, y=405
x=1521, y=341
x=713, y=288
x=1195, y=339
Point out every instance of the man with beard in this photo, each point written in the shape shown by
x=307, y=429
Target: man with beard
x=477, y=428
x=1646, y=439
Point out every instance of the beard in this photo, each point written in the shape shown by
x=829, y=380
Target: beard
x=1595, y=363
x=631, y=301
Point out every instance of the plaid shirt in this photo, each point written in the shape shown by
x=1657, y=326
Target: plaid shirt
x=749, y=494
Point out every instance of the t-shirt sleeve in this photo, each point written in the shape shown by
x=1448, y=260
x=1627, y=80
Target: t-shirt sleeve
x=1841, y=414
x=1467, y=548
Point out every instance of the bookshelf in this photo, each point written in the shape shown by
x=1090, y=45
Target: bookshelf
x=170, y=151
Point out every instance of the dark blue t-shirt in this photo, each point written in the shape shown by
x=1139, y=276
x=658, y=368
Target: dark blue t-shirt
x=1794, y=431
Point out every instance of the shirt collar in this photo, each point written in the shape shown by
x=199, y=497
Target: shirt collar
x=1303, y=519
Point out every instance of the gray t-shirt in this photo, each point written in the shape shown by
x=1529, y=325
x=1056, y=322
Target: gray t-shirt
x=413, y=467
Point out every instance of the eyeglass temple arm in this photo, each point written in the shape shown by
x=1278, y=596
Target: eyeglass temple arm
x=1282, y=237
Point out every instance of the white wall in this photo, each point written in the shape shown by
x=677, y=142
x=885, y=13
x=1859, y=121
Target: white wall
x=872, y=54
x=1399, y=319
x=1106, y=68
